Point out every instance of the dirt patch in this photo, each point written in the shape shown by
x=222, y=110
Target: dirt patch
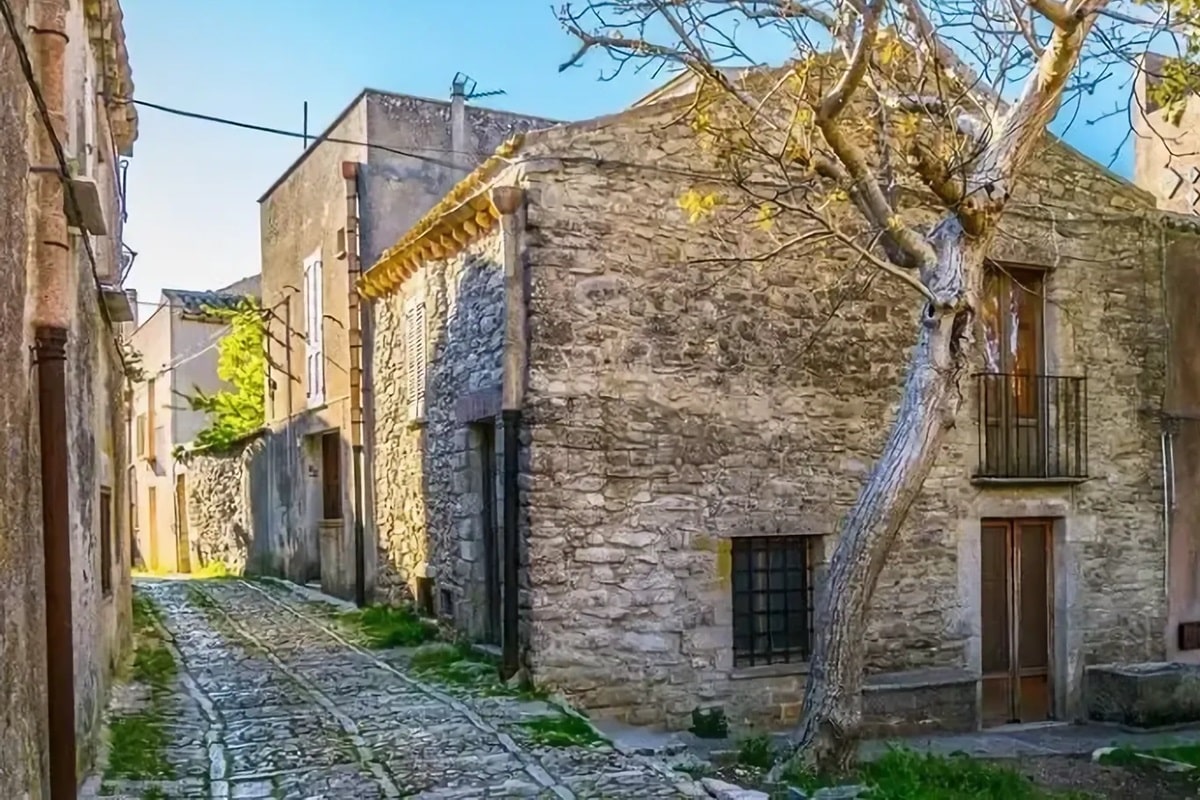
x=1112, y=783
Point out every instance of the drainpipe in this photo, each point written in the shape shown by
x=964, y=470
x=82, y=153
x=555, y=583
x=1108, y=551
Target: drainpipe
x=350, y=175
x=51, y=321
x=510, y=202
x=1168, y=462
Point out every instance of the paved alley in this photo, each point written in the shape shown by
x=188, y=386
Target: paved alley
x=269, y=698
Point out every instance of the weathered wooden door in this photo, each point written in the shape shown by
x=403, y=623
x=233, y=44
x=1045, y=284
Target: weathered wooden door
x=1013, y=400
x=1016, y=588
x=152, y=513
x=182, y=545
x=490, y=528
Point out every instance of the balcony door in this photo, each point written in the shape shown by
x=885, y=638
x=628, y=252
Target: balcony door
x=1013, y=404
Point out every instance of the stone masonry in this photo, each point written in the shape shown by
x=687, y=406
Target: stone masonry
x=221, y=512
x=674, y=404
x=96, y=412
x=430, y=507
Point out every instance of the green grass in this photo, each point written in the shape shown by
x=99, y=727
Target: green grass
x=387, y=626
x=137, y=748
x=756, y=751
x=906, y=775
x=154, y=793
x=562, y=730
x=1128, y=757
x=153, y=664
x=463, y=666
x=213, y=569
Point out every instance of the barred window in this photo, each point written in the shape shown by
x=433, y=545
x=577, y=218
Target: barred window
x=772, y=600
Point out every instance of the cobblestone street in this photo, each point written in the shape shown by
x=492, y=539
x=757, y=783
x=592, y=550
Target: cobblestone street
x=269, y=698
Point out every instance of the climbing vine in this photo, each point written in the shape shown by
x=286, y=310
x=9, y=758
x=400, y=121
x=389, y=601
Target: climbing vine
x=238, y=411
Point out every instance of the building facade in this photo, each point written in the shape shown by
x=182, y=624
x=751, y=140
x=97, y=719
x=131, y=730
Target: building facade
x=693, y=432
x=178, y=343
x=381, y=165
x=1167, y=165
x=61, y=244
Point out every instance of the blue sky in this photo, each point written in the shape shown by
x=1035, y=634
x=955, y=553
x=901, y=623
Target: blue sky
x=193, y=185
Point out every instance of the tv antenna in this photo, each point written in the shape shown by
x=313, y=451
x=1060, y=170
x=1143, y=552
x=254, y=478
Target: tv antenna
x=466, y=87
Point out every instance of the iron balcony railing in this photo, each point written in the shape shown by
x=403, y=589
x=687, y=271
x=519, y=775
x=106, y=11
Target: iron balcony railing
x=1032, y=427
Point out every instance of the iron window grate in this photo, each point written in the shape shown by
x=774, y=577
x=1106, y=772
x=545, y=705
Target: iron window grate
x=772, y=600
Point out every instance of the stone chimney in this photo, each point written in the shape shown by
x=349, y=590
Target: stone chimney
x=458, y=122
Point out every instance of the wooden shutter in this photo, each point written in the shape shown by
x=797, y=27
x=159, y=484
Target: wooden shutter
x=414, y=339
x=314, y=312
x=106, y=560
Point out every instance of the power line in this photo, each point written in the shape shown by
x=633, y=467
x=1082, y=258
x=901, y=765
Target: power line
x=63, y=168
x=300, y=135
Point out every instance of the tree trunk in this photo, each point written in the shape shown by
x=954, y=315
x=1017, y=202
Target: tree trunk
x=827, y=739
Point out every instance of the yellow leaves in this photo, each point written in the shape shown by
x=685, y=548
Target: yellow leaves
x=890, y=49
x=766, y=216
x=907, y=124
x=698, y=205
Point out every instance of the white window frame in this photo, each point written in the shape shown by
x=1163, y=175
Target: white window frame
x=416, y=354
x=314, y=330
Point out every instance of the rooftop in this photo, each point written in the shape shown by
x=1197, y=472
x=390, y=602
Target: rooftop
x=197, y=305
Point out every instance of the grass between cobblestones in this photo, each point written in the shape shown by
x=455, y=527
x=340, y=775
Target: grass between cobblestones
x=137, y=741
x=383, y=627
x=460, y=665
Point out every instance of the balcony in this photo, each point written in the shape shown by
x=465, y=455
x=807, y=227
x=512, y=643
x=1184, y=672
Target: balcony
x=1032, y=428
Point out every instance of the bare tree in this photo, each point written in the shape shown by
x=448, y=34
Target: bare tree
x=950, y=97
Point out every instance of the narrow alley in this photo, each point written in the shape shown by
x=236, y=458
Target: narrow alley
x=263, y=696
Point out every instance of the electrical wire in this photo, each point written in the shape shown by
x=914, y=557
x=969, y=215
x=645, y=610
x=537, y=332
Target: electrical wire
x=64, y=170
x=317, y=138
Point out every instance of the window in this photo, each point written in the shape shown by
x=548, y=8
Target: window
x=415, y=356
x=314, y=333
x=151, y=400
x=772, y=600
x=142, y=452
x=106, y=561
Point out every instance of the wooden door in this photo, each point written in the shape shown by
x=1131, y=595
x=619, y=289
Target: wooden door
x=491, y=530
x=183, y=551
x=152, y=513
x=331, y=476
x=1012, y=312
x=1016, y=591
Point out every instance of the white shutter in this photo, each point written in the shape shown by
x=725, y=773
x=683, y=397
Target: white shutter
x=314, y=338
x=416, y=358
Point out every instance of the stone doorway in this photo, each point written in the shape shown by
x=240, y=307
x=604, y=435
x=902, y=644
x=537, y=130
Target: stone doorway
x=1016, y=593
x=485, y=480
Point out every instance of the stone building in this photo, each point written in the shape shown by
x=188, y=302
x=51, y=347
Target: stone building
x=1167, y=165
x=61, y=250
x=693, y=432
x=380, y=165
x=178, y=343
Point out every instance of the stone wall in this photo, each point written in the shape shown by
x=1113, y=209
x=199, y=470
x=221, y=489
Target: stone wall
x=97, y=452
x=674, y=404
x=428, y=511
x=220, y=507
x=22, y=637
